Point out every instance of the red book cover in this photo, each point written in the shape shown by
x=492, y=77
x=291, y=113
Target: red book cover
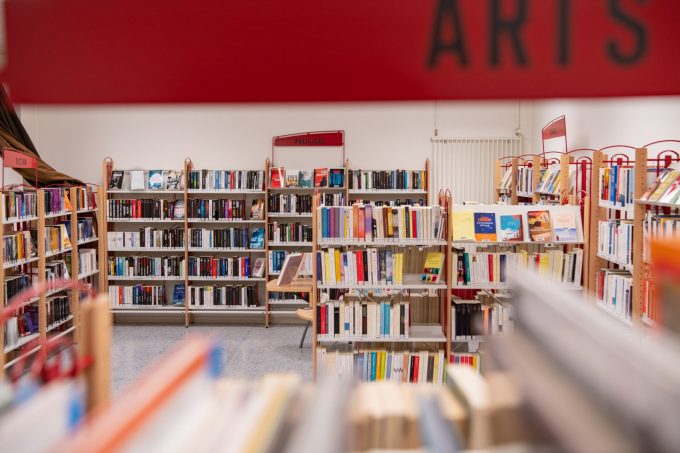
x=355, y=220
x=321, y=177
x=416, y=362
x=276, y=177
x=213, y=266
x=490, y=260
x=414, y=225
x=360, y=266
x=323, y=320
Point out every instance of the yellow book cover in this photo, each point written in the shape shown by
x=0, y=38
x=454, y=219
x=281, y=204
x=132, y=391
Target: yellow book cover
x=384, y=365
x=463, y=226
x=337, y=265
x=398, y=271
x=432, y=268
x=390, y=225
x=20, y=247
x=402, y=223
x=327, y=271
x=435, y=369
x=543, y=264
x=65, y=239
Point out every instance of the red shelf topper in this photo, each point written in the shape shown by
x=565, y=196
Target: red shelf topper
x=322, y=138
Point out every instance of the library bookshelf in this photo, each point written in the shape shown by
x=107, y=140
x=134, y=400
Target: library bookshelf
x=354, y=317
x=625, y=218
x=204, y=226
x=58, y=228
x=395, y=186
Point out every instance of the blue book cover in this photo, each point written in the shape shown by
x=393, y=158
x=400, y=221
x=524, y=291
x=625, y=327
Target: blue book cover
x=373, y=365
x=257, y=240
x=178, y=295
x=364, y=371
x=324, y=223
x=485, y=226
x=387, y=319
x=511, y=228
x=388, y=371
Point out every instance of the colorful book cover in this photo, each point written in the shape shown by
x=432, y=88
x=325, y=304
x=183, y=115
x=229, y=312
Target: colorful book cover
x=155, y=179
x=336, y=177
x=257, y=210
x=257, y=239
x=540, y=227
x=305, y=179
x=292, y=177
x=276, y=177
x=178, y=295
x=432, y=268
x=485, y=226
x=564, y=227
x=511, y=228
x=258, y=268
x=463, y=226
x=173, y=180
x=321, y=177
x=664, y=185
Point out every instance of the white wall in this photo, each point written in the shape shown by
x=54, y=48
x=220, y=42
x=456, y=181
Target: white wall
x=596, y=123
x=75, y=140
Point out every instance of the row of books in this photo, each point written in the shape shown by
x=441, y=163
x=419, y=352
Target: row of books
x=222, y=296
x=86, y=198
x=617, y=184
x=13, y=285
x=543, y=226
x=58, y=309
x=525, y=179
x=141, y=180
x=147, y=237
x=87, y=261
x=220, y=209
x=471, y=359
x=666, y=187
x=506, y=181
x=332, y=199
x=56, y=270
x=145, y=208
x=392, y=202
x=86, y=228
x=57, y=238
x=367, y=223
x=388, y=179
x=657, y=227
x=471, y=319
x=207, y=266
x=360, y=267
x=276, y=259
x=225, y=180
x=145, y=266
x=289, y=232
x=226, y=238
x=136, y=295
x=615, y=239
x=288, y=298
x=289, y=203
x=357, y=319
x=614, y=289
x=20, y=205
x=484, y=268
x=549, y=183
x=18, y=246
x=55, y=201
x=280, y=177
x=382, y=365
x=23, y=324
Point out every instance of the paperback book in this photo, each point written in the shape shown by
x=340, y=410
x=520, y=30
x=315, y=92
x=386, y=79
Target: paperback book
x=485, y=226
x=321, y=177
x=258, y=268
x=257, y=239
x=173, y=180
x=155, y=179
x=276, y=177
x=292, y=178
x=463, y=226
x=136, y=180
x=336, y=177
x=257, y=210
x=305, y=179
x=432, y=269
x=116, y=182
x=540, y=227
x=564, y=227
x=511, y=228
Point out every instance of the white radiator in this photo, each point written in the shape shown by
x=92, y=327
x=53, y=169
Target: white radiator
x=465, y=166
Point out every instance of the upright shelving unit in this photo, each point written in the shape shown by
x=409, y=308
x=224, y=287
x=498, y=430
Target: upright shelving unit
x=395, y=195
x=223, y=192
x=290, y=219
x=432, y=336
x=512, y=169
x=56, y=311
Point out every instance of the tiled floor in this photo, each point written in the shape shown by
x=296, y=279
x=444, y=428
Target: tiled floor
x=247, y=351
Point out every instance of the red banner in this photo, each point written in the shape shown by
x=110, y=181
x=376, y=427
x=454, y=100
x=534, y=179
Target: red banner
x=127, y=51
x=15, y=159
x=332, y=138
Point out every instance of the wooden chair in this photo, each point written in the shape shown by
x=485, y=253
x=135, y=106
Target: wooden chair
x=306, y=315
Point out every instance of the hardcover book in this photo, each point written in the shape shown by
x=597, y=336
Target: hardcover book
x=305, y=179
x=511, y=228
x=178, y=295
x=485, y=226
x=155, y=179
x=257, y=210
x=321, y=177
x=564, y=227
x=463, y=226
x=116, y=182
x=276, y=177
x=136, y=180
x=173, y=180
x=257, y=240
x=292, y=177
x=290, y=269
x=540, y=227
x=336, y=177
x=258, y=268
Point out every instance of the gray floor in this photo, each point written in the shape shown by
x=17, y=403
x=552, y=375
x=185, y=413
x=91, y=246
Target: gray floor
x=248, y=352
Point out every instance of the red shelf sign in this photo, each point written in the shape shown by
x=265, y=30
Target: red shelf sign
x=331, y=138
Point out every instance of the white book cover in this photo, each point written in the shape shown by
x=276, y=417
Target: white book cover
x=136, y=180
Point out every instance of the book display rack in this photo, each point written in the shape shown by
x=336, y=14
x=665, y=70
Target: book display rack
x=49, y=234
x=369, y=264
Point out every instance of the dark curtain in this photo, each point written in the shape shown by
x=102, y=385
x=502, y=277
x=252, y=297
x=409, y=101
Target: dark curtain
x=13, y=135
